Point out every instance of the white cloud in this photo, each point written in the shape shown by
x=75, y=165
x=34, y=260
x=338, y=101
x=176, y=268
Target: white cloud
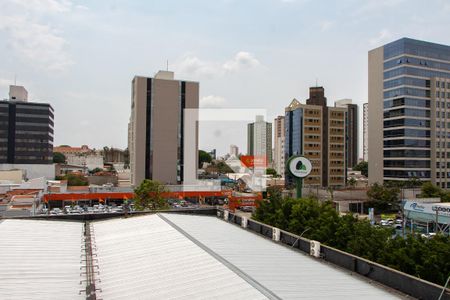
x=326, y=25
x=374, y=6
x=44, y=6
x=36, y=43
x=5, y=83
x=242, y=60
x=383, y=36
x=191, y=65
x=212, y=101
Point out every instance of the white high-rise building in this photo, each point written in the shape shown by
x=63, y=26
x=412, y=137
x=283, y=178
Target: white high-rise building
x=259, y=138
x=234, y=150
x=278, y=151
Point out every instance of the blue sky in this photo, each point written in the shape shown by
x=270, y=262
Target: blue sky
x=82, y=55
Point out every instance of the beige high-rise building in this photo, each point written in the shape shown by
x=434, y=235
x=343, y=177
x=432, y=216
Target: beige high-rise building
x=366, y=132
x=157, y=133
x=317, y=132
x=278, y=151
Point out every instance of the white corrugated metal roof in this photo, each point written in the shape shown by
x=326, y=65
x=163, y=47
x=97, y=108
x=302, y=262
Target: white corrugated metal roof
x=146, y=258
x=287, y=273
x=40, y=260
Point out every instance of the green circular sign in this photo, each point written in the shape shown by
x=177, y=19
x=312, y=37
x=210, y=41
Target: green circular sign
x=299, y=166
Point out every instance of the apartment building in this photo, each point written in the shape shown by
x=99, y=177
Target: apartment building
x=317, y=132
x=157, y=133
x=351, y=131
x=408, y=120
x=366, y=131
x=278, y=151
x=259, y=138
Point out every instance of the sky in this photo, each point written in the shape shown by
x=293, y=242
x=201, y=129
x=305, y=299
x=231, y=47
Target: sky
x=81, y=56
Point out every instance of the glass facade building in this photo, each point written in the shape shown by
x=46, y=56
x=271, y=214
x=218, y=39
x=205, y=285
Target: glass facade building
x=412, y=71
x=26, y=132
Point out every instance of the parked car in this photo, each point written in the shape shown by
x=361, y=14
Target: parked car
x=247, y=208
x=428, y=235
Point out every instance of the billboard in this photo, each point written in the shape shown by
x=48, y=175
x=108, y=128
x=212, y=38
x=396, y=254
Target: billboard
x=251, y=161
x=442, y=209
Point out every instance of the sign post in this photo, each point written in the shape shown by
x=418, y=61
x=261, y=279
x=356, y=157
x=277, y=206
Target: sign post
x=299, y=167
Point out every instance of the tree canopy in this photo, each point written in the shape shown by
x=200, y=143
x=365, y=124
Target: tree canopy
x=59, y=158
x=203, y=157
x=429, y=190
x=424, y=258
x=149, y=196
x=383, y=197
x=74, y=179
x=271, y=171
x=362, y=166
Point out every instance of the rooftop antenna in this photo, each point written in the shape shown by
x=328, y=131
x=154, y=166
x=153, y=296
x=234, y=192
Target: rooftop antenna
x=167, y=65
x=316, y=82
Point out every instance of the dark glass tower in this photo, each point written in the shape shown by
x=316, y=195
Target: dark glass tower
x=26, y=132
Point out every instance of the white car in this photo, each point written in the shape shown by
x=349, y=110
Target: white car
x=428, y=235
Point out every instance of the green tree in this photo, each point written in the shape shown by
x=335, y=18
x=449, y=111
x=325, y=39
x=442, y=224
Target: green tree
x=271, y=171
x=203, y=157
x=149, y=195
x=74, y=179
x=351, y=182
x=223, y=168
x=430, y=190
x=383, y=198
x=424, y=258
x=96, y=170
x=362, y=166
x=59, y=158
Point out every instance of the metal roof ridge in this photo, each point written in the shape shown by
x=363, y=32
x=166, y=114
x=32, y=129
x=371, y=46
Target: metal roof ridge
x=261, y=288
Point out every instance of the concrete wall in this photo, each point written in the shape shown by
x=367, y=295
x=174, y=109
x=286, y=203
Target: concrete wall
x=165, y=116
x=14, y=176
x=32, y=171
x=100, y=180
x=375, y=149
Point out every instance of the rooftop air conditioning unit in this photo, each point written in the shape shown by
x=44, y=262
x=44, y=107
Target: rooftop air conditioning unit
x=314, y=249
x=244, y=222
x=225, y=215
x=276, y=234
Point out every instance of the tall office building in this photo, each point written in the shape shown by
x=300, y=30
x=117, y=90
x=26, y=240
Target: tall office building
x=409, y=104
x=317, y=132
x=234, y=150
x=278, y=157
x=26, y=135
x=259, y=138
x=351, y=131
x=366, y=131
x=157, y=142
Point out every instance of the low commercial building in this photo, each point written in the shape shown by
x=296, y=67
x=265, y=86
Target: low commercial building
x=218, y=261
x=435, y=217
